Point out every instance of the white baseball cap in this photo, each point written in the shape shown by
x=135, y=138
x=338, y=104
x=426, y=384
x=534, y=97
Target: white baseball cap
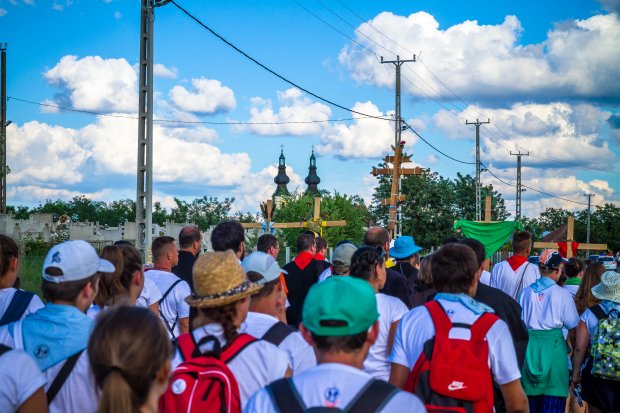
x=77, y=260
x=264, y=264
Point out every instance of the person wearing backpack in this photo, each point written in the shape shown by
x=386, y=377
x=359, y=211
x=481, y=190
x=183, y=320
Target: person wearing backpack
x=173, y=310
x=56, y=335
x=130, y=354
x=450, y=350
x=599, y=328
x=547, y=309
x=217, y=368
x=339, y=320
x=262, y=321
x=15, y=304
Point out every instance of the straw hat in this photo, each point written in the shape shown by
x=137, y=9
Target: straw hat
x=219, y=279
x=609, y=288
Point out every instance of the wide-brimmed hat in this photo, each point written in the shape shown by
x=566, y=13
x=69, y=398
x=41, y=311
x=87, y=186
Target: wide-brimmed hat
x=219, y=279
x=609, y=287
x=404, y=247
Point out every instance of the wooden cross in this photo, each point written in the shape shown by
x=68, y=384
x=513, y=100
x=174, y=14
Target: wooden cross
x=317, y=223
x=396, y=171
x=570, y=229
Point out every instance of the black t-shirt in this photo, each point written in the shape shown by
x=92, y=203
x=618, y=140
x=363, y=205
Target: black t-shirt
x=298, y=282
x=396, y=286
x=183, y=269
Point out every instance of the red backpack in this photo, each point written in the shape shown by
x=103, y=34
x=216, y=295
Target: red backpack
x=204, y=383
x=453, y=375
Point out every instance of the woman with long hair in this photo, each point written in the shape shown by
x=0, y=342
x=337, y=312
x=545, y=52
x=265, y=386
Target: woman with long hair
x=592, y=276
x=129, y=353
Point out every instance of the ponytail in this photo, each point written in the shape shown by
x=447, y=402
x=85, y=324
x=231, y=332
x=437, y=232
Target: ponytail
x=116, y=394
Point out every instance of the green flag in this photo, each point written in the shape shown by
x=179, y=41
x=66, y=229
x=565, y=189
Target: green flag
x=491, y=234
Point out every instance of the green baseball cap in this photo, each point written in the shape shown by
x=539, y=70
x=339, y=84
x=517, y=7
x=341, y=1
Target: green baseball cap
x=340, y=306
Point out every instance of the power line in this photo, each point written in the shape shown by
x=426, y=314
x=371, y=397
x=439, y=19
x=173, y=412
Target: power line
x=435, y=148
x=88, y=112
x=191, y=16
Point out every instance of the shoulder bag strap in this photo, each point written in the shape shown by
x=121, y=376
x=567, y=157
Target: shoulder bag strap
x=285, y=397
x=17, y=307
x=277, y=333
x=372, y=398
x=161, y=314
x=520, y=284
x=598, y=312
x=62, y=376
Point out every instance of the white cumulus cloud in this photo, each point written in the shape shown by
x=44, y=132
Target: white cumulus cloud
x=294, y=107
x=163, y=71
x=209, y=96
x=257, y=187
x=96, y=84
x=488, y=61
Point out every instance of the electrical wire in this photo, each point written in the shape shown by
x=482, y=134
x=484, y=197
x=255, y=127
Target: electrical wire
x=273, y=72
x=407, y=126
x=89, y=112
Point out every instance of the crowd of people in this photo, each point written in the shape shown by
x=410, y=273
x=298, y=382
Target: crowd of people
x=377, y=328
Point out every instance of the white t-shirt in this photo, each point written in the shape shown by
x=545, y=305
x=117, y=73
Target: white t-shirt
x=391, y=309
x=174, y=306
x=301, y=355
x=327, y=272
x=572, y=289
x=485, y=277
x=6, y=295
x=504, y=278
x=20, y=377
x=77, y=393
x=149, y=295
x=256, y=366
x=416, y=328
x=551, y=308
x=333, y=385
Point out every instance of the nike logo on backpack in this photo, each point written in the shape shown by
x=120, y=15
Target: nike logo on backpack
x=456, y=385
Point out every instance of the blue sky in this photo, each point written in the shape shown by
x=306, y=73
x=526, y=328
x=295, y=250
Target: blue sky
x=547, y=76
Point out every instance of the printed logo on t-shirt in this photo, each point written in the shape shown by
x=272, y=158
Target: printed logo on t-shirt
x=178, y=386
x=331, y=397
x=41, y=351
x=541, y=296
x=456, y=385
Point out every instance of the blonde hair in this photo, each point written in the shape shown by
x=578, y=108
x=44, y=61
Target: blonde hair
x=127, y=349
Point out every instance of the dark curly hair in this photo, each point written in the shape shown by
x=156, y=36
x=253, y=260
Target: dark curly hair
x=364, y=261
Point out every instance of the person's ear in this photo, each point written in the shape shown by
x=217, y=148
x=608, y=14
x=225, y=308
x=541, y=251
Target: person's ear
x=373, y=333
x=13, y=264
x=164, y=373
x=306, y=334
x=138, y=278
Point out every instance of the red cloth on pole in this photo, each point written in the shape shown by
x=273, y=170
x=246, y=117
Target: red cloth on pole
x=563, y=248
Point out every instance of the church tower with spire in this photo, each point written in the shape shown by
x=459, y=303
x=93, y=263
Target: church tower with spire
x=281, y=180
x=312, y=180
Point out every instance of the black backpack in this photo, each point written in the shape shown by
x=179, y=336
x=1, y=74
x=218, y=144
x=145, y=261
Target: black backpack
x=370, y=399
x=277, y=333
x=17, y=307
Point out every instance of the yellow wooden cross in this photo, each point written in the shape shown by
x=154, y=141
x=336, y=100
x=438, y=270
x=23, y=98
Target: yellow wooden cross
x=396, y=171
x=570, y=229
x=316, y=224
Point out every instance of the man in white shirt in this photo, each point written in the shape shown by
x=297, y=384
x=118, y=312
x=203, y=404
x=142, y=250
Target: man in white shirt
x=455, y=276
x=339, y=320
x=56, y=335
x=514, y=274
x=173, y=309
x=262, y=322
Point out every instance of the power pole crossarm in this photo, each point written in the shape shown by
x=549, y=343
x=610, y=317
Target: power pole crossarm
x=519, y=189
x=478, y=194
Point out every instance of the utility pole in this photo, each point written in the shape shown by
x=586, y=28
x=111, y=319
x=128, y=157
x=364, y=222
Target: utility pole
x=144, y=193
x=588, y=227
x=478, y=194
x=398, y=128
x=519, y=154
x=3, y=125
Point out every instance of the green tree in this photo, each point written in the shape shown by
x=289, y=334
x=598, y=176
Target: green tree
x=18, y=212
x=204, y=212
x=464, y=188
x=116, y=212
x=299, y=207
x=553, y=218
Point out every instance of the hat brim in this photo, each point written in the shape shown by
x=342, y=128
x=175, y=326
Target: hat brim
x=599, y=292
x=404, y=254
x=105, y=266
x=221, y=301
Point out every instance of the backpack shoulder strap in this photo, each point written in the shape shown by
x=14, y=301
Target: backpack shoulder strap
x=372, y=397
x=598, y=312
x=4, y=349
x=186, y=345
x=440, y=319
x=169, y=290
x=285, y=397
x=277, y=333
x=236, y=347
x=62, y=376
x=161, y=314
x=482, y=325
x=17, y=307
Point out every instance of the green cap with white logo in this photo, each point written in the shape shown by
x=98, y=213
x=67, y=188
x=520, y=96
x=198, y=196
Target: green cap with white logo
x=340, y=306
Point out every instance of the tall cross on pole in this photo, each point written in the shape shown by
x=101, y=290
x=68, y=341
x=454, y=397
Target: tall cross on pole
x=570, y=234
x=396, y=171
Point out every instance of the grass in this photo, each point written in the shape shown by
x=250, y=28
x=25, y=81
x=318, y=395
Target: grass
x=30, y=273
